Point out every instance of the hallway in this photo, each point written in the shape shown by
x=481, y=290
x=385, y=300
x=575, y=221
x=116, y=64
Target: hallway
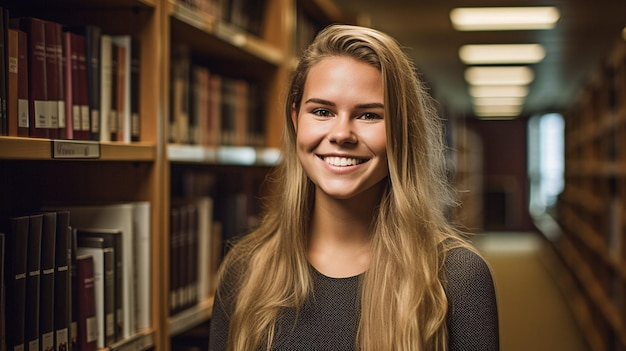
x=532, y=310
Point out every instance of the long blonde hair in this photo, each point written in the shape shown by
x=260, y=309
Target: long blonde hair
x=403, y=303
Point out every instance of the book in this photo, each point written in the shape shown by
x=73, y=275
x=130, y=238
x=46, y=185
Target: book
x=179, y=105
x=4, y=70
x=87, y=328
x=15, y=229
x=113, y=238
x=46, y=301
x=80, y=99
x=116, y=216
x=104, y=280
x=33, y=282
x=39, y=118
x=135, y=87
x=215, y=110
x=114, y=121
x=54, y=79
x=3, y=308
x=12, y=55
x=204, y=205
x=70, y=64
x=92, y=36
x=23, y=103
x=62, y=282
x=105, y=86
x=143, y=263
x=123, y=86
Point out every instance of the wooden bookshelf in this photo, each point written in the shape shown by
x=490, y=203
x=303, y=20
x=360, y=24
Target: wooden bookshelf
x=591, y=211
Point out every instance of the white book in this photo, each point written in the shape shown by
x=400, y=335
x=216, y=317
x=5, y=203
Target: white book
x=105, y=87
x=143, y=264
x=205, y=219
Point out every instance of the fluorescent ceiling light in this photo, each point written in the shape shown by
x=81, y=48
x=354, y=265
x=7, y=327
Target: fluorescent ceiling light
x=517, y=75
x=498, y=91
x=504, y=18
x=501, y=53
x=498, y=101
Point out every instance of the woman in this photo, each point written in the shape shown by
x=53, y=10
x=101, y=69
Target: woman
x=355, y=251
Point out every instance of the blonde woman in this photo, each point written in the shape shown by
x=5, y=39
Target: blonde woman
x=355, y=251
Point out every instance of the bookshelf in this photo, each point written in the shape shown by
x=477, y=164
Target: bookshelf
x=590, y=210
x=38, y=171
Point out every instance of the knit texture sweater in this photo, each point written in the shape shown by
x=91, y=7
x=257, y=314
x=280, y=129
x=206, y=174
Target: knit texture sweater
x=328, y=321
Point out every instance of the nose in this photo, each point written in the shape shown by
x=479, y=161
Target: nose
x=342, y=131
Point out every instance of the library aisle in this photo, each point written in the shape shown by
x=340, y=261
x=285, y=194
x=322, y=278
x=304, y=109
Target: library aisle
x=532, y=310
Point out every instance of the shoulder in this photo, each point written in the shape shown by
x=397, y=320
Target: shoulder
x=472, y=309
x=468, y=281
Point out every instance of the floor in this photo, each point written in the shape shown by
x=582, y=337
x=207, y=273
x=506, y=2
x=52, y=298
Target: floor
x=532, y=311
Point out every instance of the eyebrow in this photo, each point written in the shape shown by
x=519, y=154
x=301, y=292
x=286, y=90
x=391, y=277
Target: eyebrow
x=359, y=106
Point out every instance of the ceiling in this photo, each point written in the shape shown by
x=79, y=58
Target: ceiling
x=575, y=48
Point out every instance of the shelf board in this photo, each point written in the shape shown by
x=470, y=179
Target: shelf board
x=143, y=340
x=16, y=148
x=223, y=155
x=190, y=317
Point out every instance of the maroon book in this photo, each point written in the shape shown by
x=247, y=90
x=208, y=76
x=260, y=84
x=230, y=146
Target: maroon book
x=53, y=76
x=39, y=118
x=86, y=304
x=23, y=104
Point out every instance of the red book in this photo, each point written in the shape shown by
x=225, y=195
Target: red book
x=86, y=304
x=39, y=118
x=12, y=45
x=54, y=79
x=67, y=84
x=23, y=105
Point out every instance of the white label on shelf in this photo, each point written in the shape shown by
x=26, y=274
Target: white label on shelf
x=71, y=149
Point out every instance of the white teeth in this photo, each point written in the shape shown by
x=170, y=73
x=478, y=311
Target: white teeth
x=342, y=161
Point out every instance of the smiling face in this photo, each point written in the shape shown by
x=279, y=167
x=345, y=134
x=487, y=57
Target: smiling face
x=340, y=128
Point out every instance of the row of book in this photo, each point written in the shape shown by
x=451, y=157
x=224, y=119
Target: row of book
x=68, y=82
x=248, y=15
x=210, y=109
x=195, y=247
x=76, y=277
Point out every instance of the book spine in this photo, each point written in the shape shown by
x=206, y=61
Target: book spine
x=68, y=85
x=33, y=282
x=53, y=42
x=16, y=230
x=81, y=88
x=4, y=63
x=23, y=83
x=93, y=46
x=114, y=127
x=12, y=45
x=135, y=85
x=62, y=282
x=105, y=86
x=86, y=304
x=48, y=248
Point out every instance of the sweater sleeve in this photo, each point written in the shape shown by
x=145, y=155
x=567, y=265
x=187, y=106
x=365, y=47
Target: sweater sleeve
x=472, y=315
x=222, y=309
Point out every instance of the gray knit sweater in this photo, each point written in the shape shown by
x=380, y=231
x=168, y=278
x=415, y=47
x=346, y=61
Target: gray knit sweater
x=328, y=321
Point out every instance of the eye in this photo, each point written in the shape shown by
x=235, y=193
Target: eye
x=322, y=112
x=370, y=116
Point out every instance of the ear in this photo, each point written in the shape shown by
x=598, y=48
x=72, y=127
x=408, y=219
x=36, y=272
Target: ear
x=294, y=117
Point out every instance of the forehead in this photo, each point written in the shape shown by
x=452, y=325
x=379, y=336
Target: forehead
x=340, y=75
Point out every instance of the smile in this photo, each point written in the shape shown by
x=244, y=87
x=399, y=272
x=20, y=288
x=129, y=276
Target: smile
x=342, y=161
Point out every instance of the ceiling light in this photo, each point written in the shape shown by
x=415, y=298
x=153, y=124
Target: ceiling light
x=518, y=75
x=498, y=101
x=501, y=53
x=498, y=91
x=504, y=18
x=497, y=111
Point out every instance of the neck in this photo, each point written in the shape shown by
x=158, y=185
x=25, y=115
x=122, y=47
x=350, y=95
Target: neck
x=340, y=234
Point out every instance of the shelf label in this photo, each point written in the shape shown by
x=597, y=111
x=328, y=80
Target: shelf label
x=75, y=149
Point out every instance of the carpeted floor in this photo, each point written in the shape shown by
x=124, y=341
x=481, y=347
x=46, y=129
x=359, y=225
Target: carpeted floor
x=532, y=311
